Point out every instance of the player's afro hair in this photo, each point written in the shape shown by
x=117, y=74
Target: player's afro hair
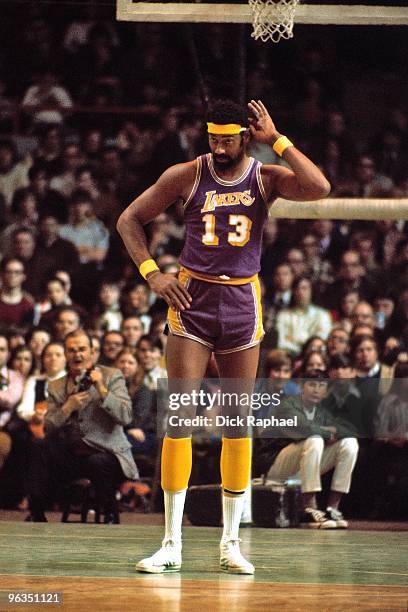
x=226, y=111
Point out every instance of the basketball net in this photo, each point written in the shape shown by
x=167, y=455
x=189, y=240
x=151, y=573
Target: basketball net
x=273, y=19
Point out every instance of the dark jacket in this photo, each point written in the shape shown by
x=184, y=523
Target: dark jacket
x=268, y=446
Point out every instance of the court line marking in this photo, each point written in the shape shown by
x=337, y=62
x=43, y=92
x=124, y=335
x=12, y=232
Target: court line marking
x=224, y=579
x=195, y=540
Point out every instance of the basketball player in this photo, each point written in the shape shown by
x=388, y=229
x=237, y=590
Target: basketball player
x=214, y=304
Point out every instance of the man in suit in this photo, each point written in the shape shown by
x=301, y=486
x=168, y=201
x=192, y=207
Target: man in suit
x=87, y=410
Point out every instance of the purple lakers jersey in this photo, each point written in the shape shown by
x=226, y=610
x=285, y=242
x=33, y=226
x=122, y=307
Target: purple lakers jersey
x=224, y=222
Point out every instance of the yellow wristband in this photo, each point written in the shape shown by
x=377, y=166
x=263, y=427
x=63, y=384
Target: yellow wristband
x=281, y=145
x=148, y=266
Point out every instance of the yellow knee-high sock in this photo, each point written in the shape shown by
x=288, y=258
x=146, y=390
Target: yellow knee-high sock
x=235, y=464
x=176, y=463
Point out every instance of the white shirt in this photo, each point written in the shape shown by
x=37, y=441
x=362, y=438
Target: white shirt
x=26, y=408
x=296, y=325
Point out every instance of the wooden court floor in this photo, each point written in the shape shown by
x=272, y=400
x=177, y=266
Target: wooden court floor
x=93, y=567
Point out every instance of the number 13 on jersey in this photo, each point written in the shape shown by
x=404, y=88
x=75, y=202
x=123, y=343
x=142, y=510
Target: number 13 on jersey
x=237, y=238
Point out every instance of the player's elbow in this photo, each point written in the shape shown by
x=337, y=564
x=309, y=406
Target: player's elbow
x=317, y=190
x=122, y=222
x=323, y=188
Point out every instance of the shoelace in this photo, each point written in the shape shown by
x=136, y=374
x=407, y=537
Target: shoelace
x=318, y=515
x=336, y=514
x=234, y=542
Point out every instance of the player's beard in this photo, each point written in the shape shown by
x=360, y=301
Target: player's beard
x=227, y=162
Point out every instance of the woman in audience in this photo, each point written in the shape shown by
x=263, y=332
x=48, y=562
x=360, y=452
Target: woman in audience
x=140, y=432
x=22, y=360
x=33, y=405
x=38, y=340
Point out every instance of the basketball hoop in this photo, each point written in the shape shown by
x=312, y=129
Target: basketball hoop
x=273, y=19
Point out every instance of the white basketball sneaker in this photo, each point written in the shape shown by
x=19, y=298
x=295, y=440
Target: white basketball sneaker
x=166, y=559
x=231, y=560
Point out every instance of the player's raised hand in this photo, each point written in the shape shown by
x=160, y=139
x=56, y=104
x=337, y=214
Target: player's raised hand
x=261, y=125
x=168, y=287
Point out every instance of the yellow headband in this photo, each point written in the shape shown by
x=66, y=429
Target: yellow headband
x=225, y=129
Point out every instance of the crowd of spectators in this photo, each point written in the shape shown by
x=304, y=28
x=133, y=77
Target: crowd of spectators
x=329, y=288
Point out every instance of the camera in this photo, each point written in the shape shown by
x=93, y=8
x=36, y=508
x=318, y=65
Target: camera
x=85, y=381
x=4, y=384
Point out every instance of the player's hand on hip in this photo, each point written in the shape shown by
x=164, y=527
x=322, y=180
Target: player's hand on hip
x=168, y=287
x=261, y=126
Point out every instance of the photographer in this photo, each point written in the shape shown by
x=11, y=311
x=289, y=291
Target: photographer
x=87, y=410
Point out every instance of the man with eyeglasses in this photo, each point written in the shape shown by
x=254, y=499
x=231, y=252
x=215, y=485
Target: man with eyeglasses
x=338, y=342
x=16, y=306
x=112, y=343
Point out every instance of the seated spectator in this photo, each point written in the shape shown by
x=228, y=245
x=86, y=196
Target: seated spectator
x=158, y=331
x=351, y=275
x=65, y=181
x=15, y=339
x=302, y=319
x=37, y=341
x=388, y=455
x=56, y=296
x=384, y=304
x=111, y=345
x=96, y=348
x=140, y=432
x=278, y=295
x=361, y=330
x=33, y=405
x=397, y=326
x=67, y=320
x=297, y=261
x=25, y=209
x=337, y=341
x=373, y=377
x=391, y=421
x=132, y=331
x=135, y=302
x=149, y=352
x=348, y=301
x=85, y=231
x=318, y=444
x=366, y=246
x=365, y=354
x=22, y=361
x=13, y=174
x=332, y=242
x=366, y=181
x=16, y=306
x=314, y=344
x=314, y=360
x=344, y=400
x=84, y=432
x=50, y=202
x=278, y=371
x=63, y=252
x=320, y=270
x=363, y=314
x=45, y=100
x=11, y=385
x=38, y=264
x=107, y=315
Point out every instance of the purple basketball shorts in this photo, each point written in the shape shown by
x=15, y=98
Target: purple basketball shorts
x=224, y=317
